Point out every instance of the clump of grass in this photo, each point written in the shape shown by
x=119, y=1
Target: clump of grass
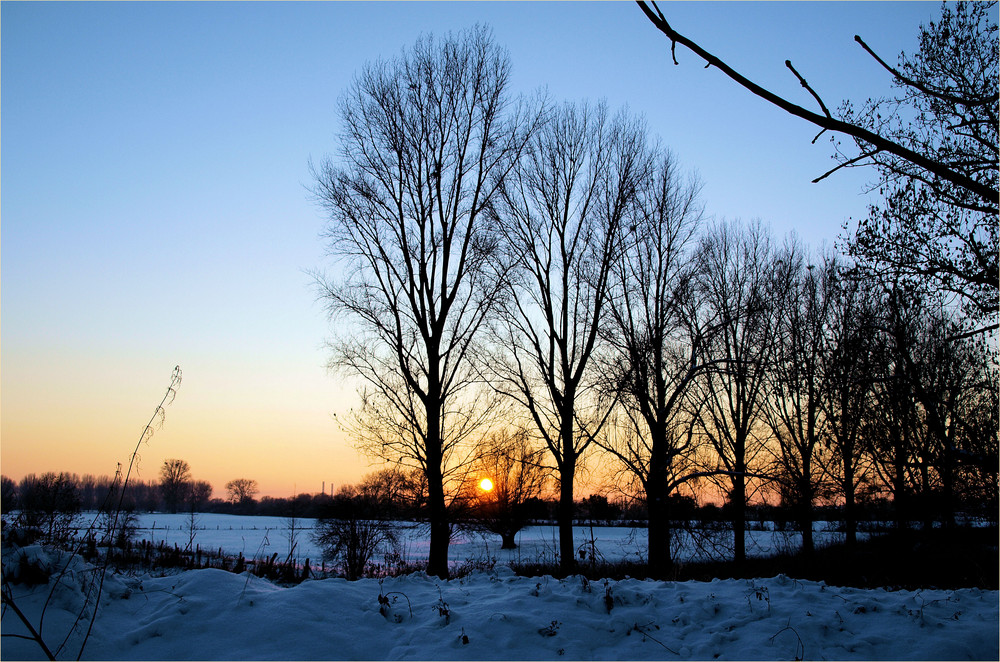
x=444, y=611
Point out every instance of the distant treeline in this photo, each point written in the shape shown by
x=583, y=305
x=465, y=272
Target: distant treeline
x=70, y=493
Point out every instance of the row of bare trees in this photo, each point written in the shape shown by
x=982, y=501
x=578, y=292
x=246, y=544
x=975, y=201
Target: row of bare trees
x=536, y=270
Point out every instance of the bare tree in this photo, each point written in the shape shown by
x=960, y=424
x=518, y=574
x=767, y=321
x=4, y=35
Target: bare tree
x=242, y=490
x=657, y=338
x=563, y=212
x=48, y=506
x=943, y=372
x=515, y=473
x=428, y=138
x=850, y=373
x=736, y=284
x=392, y=487
x=929, y=375
x=977, y=454
x=795, y=378
x=201, y=492
x=175, y=483
x=354, y=532
x=892, y=429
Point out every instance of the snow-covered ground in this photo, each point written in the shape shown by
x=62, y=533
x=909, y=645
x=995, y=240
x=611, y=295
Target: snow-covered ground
x=212, y=614
x=256, y=536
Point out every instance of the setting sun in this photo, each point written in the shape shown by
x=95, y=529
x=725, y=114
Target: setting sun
x=486, y=485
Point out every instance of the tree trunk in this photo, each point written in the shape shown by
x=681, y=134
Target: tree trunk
x=806, y=524
x=567, y=472
x=567, y=550
x=738, y=501
x=507, y=540
x=660, y=561
x=899, y=494
x=925, y=494
x=437, y=558
x=850, y=516
x=805, y=509
x=947, y=471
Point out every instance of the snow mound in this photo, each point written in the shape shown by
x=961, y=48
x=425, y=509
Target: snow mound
x=212, y=614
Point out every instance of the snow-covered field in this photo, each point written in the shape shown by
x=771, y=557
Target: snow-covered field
x=256, y=536
x=212, y=614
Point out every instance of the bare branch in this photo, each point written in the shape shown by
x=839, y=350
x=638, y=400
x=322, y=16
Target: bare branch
x=988, y=194
x=802, y=81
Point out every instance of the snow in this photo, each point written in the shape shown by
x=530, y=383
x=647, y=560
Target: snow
x=259, y=536
x=212, y=614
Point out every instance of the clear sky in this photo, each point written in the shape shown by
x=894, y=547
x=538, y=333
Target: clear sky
x=154, y=174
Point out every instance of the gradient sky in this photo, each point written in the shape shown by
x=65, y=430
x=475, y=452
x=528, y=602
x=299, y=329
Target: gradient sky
x=155, y=208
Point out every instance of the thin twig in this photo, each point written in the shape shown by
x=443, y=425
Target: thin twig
x=802, y=81
x=168, y=397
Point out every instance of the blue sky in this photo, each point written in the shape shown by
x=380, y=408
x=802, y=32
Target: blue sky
x=155, y=210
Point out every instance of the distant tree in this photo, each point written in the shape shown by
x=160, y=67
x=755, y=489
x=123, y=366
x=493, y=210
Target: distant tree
x=8, y=494
x=516, y=474
x=354, y=531
x=596, y=507
x=48, y=505
x=201, y=493
x=175, y=483
x=242, y=491
x=428, y=138
x=393, y=488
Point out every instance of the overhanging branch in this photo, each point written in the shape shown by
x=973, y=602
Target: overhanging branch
x=987, y=193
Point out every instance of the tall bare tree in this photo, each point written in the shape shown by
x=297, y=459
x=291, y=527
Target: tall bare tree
x=795, y=378
x=892, y=430
x=847, y=397
x=736, y=282
x=657, y=335
x=563, y=213
x=944, y=373
x=427, y=139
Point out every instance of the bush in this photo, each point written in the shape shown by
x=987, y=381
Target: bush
x=49, y=506
x=357, y=533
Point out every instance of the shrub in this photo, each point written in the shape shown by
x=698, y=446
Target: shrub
x=353, y=537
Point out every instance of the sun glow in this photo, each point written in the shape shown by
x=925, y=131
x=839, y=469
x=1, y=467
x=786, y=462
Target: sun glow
x=486, y=485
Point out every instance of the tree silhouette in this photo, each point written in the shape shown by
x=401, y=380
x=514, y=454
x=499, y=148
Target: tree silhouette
x=657, y=335
x=513, y=466
x=427, y=140
x=242, y=490
x=175, y=483
x=736, y=282
x=562, y=214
